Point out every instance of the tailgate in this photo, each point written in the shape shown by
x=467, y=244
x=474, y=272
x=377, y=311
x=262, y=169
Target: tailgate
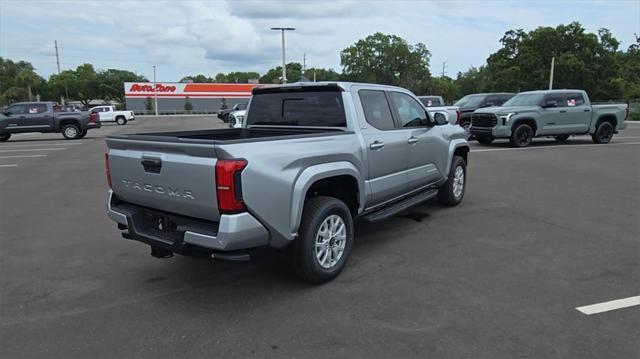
x=169, y=176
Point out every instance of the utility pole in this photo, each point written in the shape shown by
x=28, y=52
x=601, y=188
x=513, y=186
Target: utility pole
x=155, y=91
x=314, y=74
x=284, y=65
x=66, y=90
x=444, y=66
x=553, y=61
x=55, y=44
x=304, y=63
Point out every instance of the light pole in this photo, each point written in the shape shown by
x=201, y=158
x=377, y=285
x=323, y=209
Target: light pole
x=284, y=65
x=155, y=91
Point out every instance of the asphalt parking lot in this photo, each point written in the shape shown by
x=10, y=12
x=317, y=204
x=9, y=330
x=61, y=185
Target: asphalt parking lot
x=541, y=231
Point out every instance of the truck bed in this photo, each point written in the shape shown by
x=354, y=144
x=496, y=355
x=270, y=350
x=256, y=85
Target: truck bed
x=233, y=135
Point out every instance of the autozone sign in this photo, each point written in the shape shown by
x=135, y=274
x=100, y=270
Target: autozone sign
x=196, y=90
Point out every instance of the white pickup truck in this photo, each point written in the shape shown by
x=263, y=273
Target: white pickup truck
x=436, y=104
x=109, y=114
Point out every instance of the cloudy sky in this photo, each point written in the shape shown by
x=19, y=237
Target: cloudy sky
x=191, y=37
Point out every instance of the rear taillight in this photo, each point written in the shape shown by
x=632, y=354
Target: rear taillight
x=108, y=171
x=458, y=117
x=92, y=117
x=229, y=185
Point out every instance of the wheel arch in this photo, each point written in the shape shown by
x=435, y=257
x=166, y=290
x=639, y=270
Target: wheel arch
x=69, y=121
x=526, y=120
x=336, y=179
x=611, y=118
x=460, y=148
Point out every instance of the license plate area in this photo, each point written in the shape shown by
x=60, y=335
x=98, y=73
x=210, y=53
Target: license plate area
x=160, y=226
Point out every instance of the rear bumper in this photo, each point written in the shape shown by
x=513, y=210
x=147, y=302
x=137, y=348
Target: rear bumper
x=186, y=235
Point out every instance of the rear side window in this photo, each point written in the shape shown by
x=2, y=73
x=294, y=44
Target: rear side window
x=321, y=109
x=37, y=109
x=575, y=99
x=376, y=109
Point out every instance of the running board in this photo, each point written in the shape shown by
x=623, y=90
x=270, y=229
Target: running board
x=398, y=207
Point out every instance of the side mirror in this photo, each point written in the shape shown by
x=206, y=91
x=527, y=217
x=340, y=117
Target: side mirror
x=550, y=104
x=440, y=118
x=6, y=113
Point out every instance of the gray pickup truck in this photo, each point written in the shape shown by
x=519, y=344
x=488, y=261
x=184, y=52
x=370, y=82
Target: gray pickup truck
x=311, y=158
x=45, y=117
x=554, y=113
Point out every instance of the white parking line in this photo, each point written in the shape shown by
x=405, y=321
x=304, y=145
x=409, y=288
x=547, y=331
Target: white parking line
x=610, y=305
x=8, y=166
x=555, y=146
x=37, y=149
x=23, y=156
x=40, y=144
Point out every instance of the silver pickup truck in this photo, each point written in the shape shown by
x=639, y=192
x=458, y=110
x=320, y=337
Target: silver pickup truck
x=557, y=113
x=311, y=158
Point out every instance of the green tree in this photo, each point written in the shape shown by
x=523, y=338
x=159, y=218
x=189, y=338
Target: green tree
x=148, y=104
x=16, y=88
x=321, y=74
x=28, y=79
x=82, y=84
x=111, y=83
x=274, y=75
x=197, y=78
x=386, y=59
x=188, y=106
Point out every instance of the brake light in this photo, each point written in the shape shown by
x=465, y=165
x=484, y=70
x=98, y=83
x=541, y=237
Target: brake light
x=229, y=186
x=92, y=117
x=458, y=117
x=107, y=170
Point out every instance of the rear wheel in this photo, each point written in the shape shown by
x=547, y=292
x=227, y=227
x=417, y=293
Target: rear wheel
x=452, y=191
x=120, y=120
x=603, y=133
x=561, y=138
x=5, y=137
x=521, y=136
x=71, y=132
x=484, y=139
x=83, y=133
x=325, y=240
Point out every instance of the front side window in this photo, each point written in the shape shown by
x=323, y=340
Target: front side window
x=16, y=110
x=376, y=109
x=410, y=112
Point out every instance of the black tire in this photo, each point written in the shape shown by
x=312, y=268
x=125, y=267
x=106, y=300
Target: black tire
x=603, y=133
x=316, y=211
x=521, y=136
x=561, y=138
x=5, y=137
x=447, y=195
x=71, y=132
x=121, y=120
x=83, y=133
x=484, y=139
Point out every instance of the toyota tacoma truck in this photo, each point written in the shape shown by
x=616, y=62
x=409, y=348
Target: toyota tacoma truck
x=310, y=159
x=551, y=113
x=45, y=117
x=109, y=114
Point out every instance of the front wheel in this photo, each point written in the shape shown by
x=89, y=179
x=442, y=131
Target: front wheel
x=603, y=133
x=5, y=137
x=71, y=132
x=521, y=136
x=325, y=240
x=121, y=121
x=452, y=191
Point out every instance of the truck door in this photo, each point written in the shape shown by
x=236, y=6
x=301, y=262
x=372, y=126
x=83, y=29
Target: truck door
x=386, y=148
x=578, y=115
x=15, y=120
x=423, y=147
x=553, y=115
x=38, y=117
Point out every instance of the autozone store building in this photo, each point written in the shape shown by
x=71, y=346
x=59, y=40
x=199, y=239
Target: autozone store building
x=172, y=96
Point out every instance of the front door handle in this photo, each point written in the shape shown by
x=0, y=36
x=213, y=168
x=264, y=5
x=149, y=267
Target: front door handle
x=412, y=140
x=376, y=145
x=586, y=110
x=563, y=111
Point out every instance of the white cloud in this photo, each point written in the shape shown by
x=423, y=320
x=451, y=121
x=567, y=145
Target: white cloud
x=189, y=37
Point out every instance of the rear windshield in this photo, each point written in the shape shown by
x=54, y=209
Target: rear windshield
x=431, y=101
x=323, y=109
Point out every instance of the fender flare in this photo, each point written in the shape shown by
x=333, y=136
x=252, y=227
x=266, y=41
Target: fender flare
x=312, y=174
x=453, y=146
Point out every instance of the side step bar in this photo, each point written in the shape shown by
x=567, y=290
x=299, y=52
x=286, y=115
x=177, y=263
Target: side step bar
x=398, y=207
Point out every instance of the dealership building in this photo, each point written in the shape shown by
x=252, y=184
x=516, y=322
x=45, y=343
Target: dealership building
x=172, y=96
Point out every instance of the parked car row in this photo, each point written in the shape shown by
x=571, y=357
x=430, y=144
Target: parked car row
x=526, y=115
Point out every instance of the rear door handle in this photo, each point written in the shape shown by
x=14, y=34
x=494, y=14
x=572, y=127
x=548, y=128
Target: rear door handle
x=412, y=140
x=376, y=145
x=563, y=111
